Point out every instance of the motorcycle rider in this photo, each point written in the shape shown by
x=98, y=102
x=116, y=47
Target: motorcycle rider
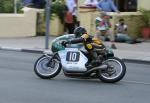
x=91, y=44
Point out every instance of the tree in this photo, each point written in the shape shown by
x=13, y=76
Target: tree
x=6, y=6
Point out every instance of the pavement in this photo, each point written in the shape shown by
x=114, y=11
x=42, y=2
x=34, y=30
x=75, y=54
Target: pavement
x=139, y=52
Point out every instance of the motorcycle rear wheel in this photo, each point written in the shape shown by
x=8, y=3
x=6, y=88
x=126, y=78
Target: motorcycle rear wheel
x=43, y=70
x=115, y=72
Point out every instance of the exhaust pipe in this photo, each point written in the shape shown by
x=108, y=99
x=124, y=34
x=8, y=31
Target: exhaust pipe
x=101, y=67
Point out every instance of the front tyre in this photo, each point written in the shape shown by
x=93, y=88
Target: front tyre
x=115, y=72
x=45, y=70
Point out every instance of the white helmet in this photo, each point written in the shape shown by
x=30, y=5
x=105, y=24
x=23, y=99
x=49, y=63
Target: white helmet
x=98, y=19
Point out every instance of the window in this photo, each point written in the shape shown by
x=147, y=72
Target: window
x=126, y=5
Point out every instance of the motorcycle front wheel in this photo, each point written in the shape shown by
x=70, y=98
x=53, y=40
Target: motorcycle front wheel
x=44, y=70
x=115, y=72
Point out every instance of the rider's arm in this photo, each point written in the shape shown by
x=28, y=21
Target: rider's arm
x=83, y=38
x=75, y=41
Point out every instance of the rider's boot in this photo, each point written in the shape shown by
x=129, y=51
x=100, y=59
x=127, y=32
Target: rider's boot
x=98, y=63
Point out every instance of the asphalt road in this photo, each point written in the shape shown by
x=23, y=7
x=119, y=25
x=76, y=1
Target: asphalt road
x=19, y=84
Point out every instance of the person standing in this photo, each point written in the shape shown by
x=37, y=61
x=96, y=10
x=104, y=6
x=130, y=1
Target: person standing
x=68, y=22
x=71, y=10
x=107, y=6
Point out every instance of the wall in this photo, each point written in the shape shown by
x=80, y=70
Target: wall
x=18, y=25
x=86, y=16
x=56, y=27
x=144, y=4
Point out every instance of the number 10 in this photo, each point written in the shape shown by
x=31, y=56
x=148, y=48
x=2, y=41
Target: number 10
x=73, y=56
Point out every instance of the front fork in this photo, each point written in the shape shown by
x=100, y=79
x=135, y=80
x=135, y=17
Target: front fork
x=51, y=57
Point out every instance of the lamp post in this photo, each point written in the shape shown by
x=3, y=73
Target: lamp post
x=47, y=12
x=15, y=6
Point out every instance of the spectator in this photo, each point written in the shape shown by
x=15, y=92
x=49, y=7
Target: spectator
x=121, y=34
x=90, y=3
x=69, y=25
x=103, y=26
x=72, y=6
x=107, y=6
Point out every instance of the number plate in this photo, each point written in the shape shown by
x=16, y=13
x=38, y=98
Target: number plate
x=72, y=56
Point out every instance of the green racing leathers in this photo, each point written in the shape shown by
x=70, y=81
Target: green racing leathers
x=56, y=43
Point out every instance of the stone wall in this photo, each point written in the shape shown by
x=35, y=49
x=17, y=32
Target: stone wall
x=18, y=25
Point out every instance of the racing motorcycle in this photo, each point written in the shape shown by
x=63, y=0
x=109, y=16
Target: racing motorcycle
x=75, y=63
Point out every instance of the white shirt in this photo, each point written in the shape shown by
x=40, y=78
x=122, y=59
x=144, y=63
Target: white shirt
x=71, y=6
x=121, y=28
x=89, y=2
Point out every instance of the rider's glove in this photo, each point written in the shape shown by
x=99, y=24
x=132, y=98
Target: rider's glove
x=64, y=43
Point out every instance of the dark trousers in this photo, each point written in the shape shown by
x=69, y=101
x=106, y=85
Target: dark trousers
x=69, y=27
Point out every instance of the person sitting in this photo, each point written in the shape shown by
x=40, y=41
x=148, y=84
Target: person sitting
x=90, y=3
x=103, y=26
x=121, y=33
x=90, y=43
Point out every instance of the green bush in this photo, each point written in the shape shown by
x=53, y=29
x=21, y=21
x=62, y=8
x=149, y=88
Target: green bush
x=58, y=8
x=6, y=6
x=146, y=16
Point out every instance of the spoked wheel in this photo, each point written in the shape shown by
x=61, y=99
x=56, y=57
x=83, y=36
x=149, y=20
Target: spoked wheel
x=115, y=71
x=45, y=69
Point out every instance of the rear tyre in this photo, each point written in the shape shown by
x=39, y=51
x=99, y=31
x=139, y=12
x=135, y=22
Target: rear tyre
x=115, y=72
x=46, y=71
